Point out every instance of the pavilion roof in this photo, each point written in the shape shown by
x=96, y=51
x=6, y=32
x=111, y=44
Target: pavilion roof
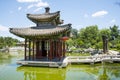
x=46, y=17
x=40, y=31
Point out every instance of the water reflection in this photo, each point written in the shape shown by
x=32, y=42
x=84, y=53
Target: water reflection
x=10, y=71
x=97, y=72
x=73, y=72
x=109, y=72
x=37, y=73
x=4, y=61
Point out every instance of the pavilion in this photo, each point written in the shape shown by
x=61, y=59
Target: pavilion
x=46, y=40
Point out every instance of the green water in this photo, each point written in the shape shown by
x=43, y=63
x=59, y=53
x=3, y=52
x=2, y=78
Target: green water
x=10, y=71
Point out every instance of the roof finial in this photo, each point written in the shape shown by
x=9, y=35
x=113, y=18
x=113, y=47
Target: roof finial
x=47, y=9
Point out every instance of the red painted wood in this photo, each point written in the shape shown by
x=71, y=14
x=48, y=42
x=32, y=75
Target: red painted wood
x=29, y=49
x=59, y=49
x=64, y=38
x=37, y=49
x=60, y=55
x=56, y=48
x=63, y=49
x=33, y=50
x=51, y=49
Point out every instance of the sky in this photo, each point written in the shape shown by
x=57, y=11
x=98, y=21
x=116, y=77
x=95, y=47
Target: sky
x=80, y=13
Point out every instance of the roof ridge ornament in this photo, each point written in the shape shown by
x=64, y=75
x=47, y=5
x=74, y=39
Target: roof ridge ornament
x=47, y=10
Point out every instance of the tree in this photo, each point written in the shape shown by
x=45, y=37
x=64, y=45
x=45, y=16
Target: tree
x=114, y=32
x=114, y=36
x=89, y=35
x=69, y=42
x=105, y=32
x=74, y=33
x=7, y=42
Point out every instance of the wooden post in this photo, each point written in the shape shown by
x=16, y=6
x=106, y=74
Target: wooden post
x=40, y=48
x=56, y=48
x=63, y=48
x=33, y=50
x=47, y=49
x=29, y=49
x=51, y=49
x=25, y=55
x=61, y=51
x=36, y=48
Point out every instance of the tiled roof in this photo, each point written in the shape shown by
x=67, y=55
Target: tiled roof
x=46, y=17
x=40, y=31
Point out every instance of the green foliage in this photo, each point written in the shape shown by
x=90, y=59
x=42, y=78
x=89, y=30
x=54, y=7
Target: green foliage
x=91, y=36
x=118, y=47
x=70, y=42
x=105, y=32
x=74, y=33
x=99, y=45
x=7, y=42
x=114, y=32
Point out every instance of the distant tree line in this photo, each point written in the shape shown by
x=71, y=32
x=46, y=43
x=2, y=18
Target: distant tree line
x=7, y=42
x=91, y=36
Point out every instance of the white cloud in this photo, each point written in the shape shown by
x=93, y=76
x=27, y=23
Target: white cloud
x=19, y=8
x=3, y=28
x=42, y=4
x=30, y=6
x=38, y=5
x=113, y=21
x=99, y=13
x=22, y=1
x=36, y=10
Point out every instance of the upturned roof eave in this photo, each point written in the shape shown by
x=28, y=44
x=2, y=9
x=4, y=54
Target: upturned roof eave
x=41, y=35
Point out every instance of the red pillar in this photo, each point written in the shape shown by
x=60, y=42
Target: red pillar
x=37, y=49
x=29, y=49
x=63, y=48
x=60, y=54
x=25, y=55
x=59, y=49
x=40, y=49
x=47, y=43
x=33, y=50
x=51, y=49
x=56, y=48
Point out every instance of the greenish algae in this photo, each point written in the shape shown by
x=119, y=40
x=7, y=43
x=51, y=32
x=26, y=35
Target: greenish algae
x=106, y=71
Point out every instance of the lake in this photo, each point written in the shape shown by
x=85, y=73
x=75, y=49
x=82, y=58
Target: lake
x=9, y=70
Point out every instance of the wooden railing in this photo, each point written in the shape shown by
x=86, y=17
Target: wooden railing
x=93, y=59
